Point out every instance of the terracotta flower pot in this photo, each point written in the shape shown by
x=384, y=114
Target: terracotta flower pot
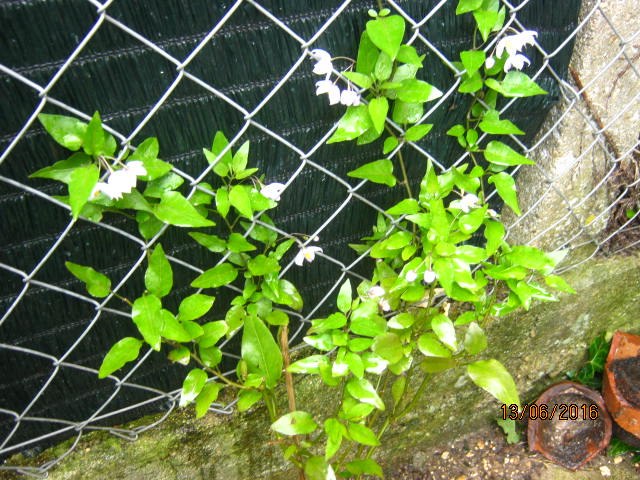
x=569, y=424
x=621, y=382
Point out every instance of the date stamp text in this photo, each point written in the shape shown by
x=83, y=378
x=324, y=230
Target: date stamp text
x=564, y=411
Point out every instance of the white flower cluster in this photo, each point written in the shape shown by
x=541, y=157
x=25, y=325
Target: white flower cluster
x=324, y=66
x=513, y=44
x=307, y=253
x=272, y=191
x=121, y=181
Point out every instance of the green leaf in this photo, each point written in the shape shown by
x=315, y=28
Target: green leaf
x=181, y=355
x=472, y=60
x=295, y=423
x=206, y=397
x=471, y=83
x=389, y=347
x=126, y=350
x=159, y=277
x=436, y=364
x=528, y=257
x=354, y=122
x=367, y=55
x=379, y=171
x=237, y=243
x=211, y=356
x=404, y=112
x=81, y=183
x=444, y=330
x=94, y=137
x=508, y=426
x=67, y=131
x=192, y=386
x=383, y=68
x=408, y=54
x=506, y=187
x=366, y=466
x=378, y=108
x=239, y=161
x=240, y=199
x=277, y=317
x=215, y=277
x=157, y=187
x=361, y=80
x=494, y=233
x=194, y=306
x=262, y=265
x=317, y=468
x=475, y=340
x=309, y=364
x=63, y=169
x=247, y=398
x=260, y=351
x=212, y=332
x=386, y=33
x=362, y=434
x=344, y=297
x=558, y=283
x=492, y=124
x=401, y=321
x=363, y=390
x=333, y=321
x=171, y=329
x=135, y=201
x=486, y=21
x=335, y=431
x=176, y=210
x=98, y=285
x=465, y=6
x=495, y=379
x=404, y=207
x=500, y=154
x=417, y=91
x=211, y=242
x=148, y=224
x=146, y=315
x=389, y=144
x=515, y=84
x=430, y=346
x=222, y=201
x=416, y=132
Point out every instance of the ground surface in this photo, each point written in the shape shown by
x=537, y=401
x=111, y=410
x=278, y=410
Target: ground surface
x=486, y=455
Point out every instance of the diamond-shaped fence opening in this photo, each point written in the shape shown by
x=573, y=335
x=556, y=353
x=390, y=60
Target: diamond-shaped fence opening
x=179, y=71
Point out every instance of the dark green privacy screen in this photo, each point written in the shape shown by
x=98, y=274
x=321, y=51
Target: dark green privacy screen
x=179, y=70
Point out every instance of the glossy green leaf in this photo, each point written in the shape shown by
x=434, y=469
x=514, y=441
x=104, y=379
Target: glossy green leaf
x=345, y=295
x=444, y=330
x=378, y=171
x=317, y=468
x=558, y=283
x=81, y=184
x=378, y=108
x=240, y=158
x=335, y=430
x=97, y=284
x=361, y=80
x=63, y=169
x=146, y=315
x=171, y=328
x=475, y=340
x=408, y=54
x=206, y=397
x=417, y=91
x=465, y=6
x=192, y=386
x=363, y=390
x=495, y=379
x=494, y=233
x=310, y=364
x=389, y=144
x=491, y=123
x=508, y=426
x=386, y=33
x=176, y=210
x=211, y=242
x=362, y=434
x=237, y=243
x=156, y=188
x=416, y=132
x=389, y=347
x=486, y=21
x=295, y=423
x=437, y=364
x=222, y=201
x=194, y=306
x=528, y=257
x=367, y=55
x=181, y=355
x=471, y=83
x=515, y=84
x=384, y=67
x=364, y=466
x=260, y=351
x=240, y=199
x=211, y=357
x=500, y=154
x=353, y=123
x=262, y=265
x=430, y=346
x=405, y=112
x=94, y=137
x=472, y=60
x=67, y=131
x=159, y=277
x=212, y=332
x=333, y=321
x=247, y=398
x=401, y=321
x=215, y=277
x=506, y=187
x=126, y=350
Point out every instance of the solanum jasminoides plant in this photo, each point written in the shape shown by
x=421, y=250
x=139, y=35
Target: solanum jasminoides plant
x=442, y=270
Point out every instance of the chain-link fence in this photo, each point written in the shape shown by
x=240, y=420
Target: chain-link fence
x=182, y=70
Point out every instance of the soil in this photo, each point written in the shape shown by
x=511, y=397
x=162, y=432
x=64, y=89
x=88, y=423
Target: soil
x=627, y=374
x=486, y=455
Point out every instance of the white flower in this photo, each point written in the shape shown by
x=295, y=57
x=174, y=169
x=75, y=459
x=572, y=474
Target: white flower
x=350, y=97
x=384, y=305
x=327, y=86
x=466, y=203
x=515, y=43
x=376, y=291
x=516, y=61
x=429, y=276
x=323, y=64
x=121, y=181
x=492, y=213
x=489, y=63
x=411, y=276
x=272, y=191
x=306, y=253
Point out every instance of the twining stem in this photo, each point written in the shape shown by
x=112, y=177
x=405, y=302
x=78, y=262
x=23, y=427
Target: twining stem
x=284, y=348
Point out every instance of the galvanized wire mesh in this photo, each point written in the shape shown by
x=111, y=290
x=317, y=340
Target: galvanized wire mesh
x=609, y=226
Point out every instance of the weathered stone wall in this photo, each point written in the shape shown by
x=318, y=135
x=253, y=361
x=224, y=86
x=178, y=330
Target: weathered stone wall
x=537, y=346
x=571, y=184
